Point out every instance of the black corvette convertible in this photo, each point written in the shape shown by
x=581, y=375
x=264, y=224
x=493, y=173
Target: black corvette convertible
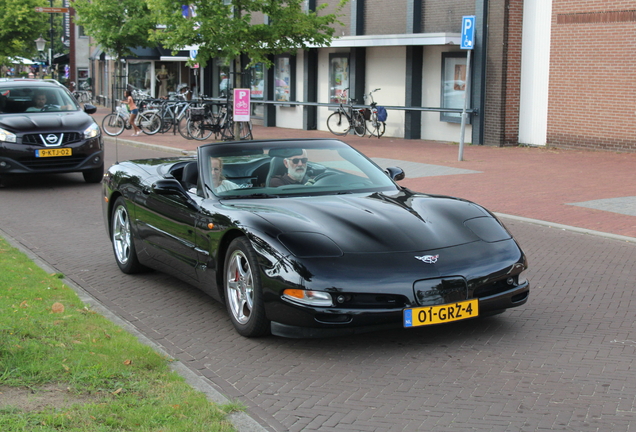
x=309, y=238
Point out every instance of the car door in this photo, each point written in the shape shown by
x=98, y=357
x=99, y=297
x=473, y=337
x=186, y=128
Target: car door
x=166, y=226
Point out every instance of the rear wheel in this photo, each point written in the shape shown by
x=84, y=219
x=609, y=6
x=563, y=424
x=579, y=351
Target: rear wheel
x=244, y=291
x=200, y=130
x=113, y=124
x=338, y=123
x=374, y=126
x=182, y=126
x=122, y=239
x=149, y=122
x=359, y=124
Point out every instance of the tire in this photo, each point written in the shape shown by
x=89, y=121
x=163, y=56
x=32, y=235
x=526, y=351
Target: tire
x=113, y=124
x=359, y=125
x=94, y=175
x=122, y=239
x=375, y=127
x=167, y=121
x=199, y=129
x=243, y=290
x=245, y=131
x=338, y=124
x=182, y=127
x=149, y=123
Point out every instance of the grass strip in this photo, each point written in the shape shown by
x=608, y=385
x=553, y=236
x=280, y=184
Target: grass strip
x=109, y=380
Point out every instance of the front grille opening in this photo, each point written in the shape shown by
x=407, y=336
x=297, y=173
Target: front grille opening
x=370, y=301
x=495, y=287
x=40, y=138
x=333, y=318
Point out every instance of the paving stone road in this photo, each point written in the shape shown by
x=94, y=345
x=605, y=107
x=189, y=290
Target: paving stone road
x=564, y=361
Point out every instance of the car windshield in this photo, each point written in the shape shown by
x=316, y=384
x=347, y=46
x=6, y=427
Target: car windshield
x=284, y=168
x=23, y=99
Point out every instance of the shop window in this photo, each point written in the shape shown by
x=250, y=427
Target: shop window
x=139, y=75
x=167, y=78
x=257, y=85
x=453, y=91
x=338, y=78
x=83, y=80
x=284, y=78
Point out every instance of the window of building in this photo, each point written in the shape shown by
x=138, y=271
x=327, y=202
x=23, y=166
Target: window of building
x=453, y=90
x=338, y=77
x=257, y=85
x=139, y=75
x=284, y=78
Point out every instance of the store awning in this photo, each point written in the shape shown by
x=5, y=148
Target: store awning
x=409, y=39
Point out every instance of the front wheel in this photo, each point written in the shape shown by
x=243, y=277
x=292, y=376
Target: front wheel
x=338, y=123
x=113, y=124
x=94, y=175
x=244, y=291
x=200, y=130
x=122, y=239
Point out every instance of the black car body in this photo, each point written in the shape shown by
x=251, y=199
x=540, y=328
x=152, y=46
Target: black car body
x=347, y=250
x=59, y=137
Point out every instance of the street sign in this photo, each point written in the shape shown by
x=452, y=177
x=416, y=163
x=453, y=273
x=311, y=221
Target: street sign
x=51, y=9
x=468, y=32
x=241, y=105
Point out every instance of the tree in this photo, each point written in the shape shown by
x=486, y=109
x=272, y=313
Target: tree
x=117, y=26
x=19, y=24
x=224, y=28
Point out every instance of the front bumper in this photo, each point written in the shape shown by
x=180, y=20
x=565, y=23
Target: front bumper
x=20, y=158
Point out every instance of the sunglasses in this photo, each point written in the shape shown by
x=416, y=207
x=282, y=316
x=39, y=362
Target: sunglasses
x=296, y=161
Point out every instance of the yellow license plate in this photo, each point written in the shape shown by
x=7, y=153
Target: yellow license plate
x=53, y=152
x=440, y=314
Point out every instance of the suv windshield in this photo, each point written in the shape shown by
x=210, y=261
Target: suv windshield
x=21, y=99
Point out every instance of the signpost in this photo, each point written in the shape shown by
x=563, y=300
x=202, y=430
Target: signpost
x=51, y=9
x=467, y=43
x=241, y=105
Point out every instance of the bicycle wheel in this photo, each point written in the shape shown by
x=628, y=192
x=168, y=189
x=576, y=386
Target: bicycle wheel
x=182, y=127
x=113, y=124
x=338, y=123
x=149, y=122
x=199, y=130
x=375, y=127
x=359, y=124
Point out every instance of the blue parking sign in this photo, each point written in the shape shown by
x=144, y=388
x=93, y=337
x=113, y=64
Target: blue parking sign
x=468, y=32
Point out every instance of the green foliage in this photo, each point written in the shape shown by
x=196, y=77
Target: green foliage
x=117, y=26
x=226, y=31
x=20, y=26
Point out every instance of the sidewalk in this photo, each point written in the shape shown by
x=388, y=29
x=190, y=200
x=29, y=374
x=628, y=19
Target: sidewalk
x=584, y=189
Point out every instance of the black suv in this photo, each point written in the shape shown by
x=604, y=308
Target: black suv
x=44, y=130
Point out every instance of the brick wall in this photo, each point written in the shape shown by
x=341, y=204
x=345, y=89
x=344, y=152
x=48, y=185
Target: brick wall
x=384, y=17
x=503, y=72
x=592, y=96
x=445, y=15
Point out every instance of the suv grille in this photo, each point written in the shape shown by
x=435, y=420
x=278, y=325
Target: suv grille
x=42, y=139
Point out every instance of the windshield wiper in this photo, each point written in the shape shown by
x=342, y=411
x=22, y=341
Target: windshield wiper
x=256, y=195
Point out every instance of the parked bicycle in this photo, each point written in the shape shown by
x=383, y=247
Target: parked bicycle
x=345, y=119
x=375, y=117
x=203, y=122
x=114, y=123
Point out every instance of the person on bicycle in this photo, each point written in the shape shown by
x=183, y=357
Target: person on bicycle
x=296, y=170
x=132, y=108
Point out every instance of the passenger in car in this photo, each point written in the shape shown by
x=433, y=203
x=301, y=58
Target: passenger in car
x=220, y=184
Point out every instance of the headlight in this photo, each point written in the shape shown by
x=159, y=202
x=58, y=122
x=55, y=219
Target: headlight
x=311, y=298
x=7, y=136
x=92, y=131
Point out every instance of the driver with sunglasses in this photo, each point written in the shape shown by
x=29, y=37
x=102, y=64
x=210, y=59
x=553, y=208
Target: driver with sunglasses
x=296, y=170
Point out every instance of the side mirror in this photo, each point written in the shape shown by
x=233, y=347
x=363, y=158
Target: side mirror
x=173, y=187
x=90, y=109
x=395, y=173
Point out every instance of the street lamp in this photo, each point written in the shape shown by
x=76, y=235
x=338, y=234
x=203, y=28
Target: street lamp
x=40, y=43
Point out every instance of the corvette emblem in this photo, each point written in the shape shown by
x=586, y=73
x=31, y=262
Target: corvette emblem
x=428, y=259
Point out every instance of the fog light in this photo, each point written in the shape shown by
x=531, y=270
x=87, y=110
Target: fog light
x=311, y=298
x=3, y=164
x=96, y=159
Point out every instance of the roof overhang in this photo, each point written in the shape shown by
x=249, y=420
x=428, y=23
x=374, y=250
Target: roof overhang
x=395, y=40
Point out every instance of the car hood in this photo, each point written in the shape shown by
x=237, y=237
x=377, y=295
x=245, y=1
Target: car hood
x=377, y=222
x=46, y=121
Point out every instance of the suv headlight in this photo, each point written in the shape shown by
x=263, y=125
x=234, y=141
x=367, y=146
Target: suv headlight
x=92, y=131
x=7, y=136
